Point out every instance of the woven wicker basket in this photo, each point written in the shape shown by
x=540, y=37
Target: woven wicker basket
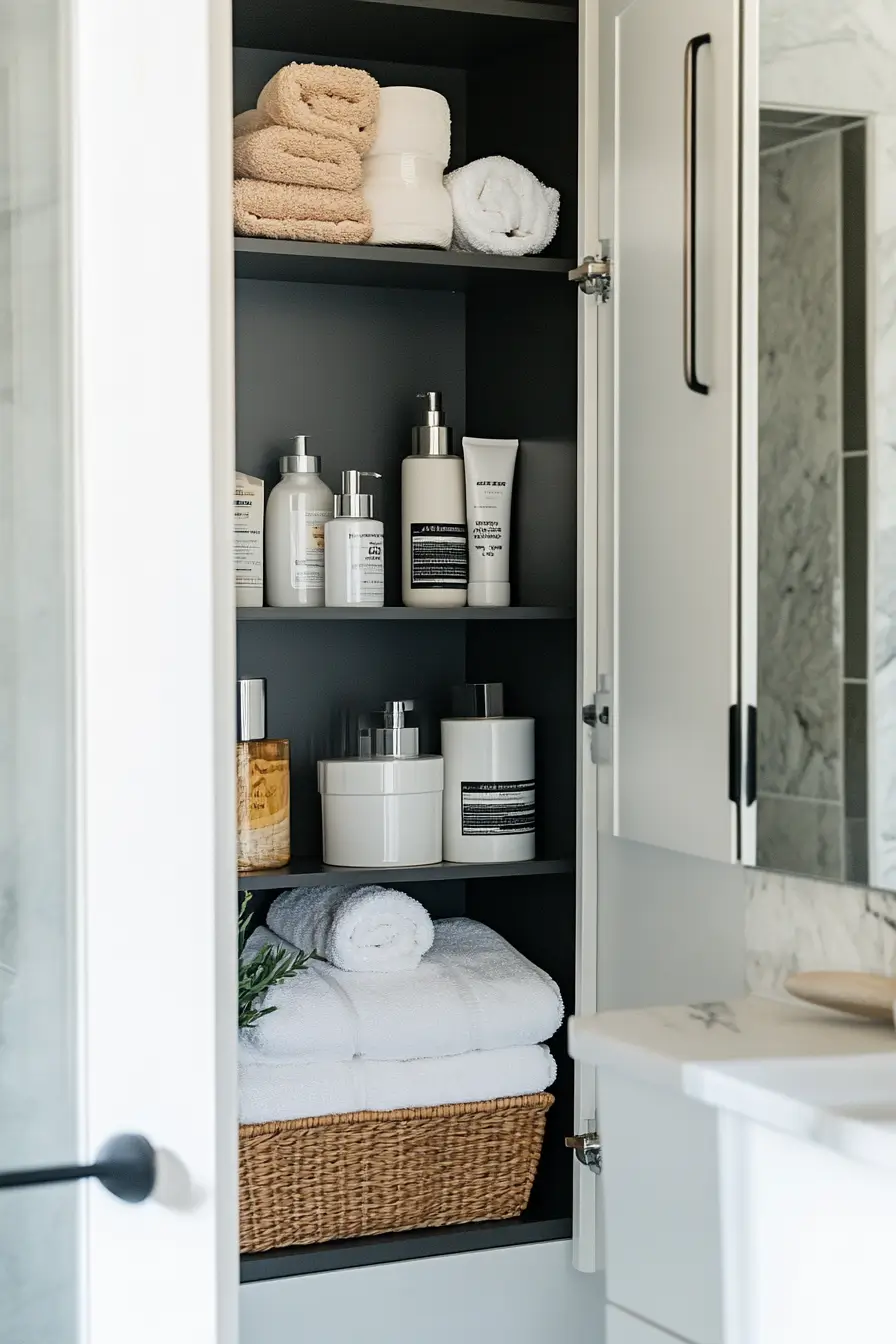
x=304, y=1181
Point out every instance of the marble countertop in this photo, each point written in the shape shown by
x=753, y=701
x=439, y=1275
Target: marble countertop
x=818, y=1075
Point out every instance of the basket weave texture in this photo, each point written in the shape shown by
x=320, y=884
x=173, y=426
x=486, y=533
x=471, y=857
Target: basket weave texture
x=359, y=1175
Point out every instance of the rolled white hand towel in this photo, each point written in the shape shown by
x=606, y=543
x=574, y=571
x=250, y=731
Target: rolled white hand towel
x=472, y=991
x=356, y=929
x=291, y=1090
x=501, y=207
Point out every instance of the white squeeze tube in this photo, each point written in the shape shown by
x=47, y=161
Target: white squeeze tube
x=488, y=469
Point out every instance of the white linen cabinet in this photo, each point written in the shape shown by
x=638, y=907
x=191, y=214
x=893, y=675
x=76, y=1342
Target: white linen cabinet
x=625, y=403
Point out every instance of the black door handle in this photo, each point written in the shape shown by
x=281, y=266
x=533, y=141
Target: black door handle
x=125, y=1166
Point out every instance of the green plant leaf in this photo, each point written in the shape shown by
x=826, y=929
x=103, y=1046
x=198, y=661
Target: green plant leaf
x=269, y=966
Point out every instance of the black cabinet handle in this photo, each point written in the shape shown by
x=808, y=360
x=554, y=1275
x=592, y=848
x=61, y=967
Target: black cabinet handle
x=690, y=214
x=125, y=1166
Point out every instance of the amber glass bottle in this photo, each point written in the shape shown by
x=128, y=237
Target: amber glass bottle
x=262, y=784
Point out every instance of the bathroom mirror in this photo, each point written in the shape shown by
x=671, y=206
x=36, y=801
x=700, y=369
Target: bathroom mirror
x=826, y=628
x=814, y=642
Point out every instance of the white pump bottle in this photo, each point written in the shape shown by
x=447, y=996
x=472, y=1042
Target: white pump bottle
x=298, y=510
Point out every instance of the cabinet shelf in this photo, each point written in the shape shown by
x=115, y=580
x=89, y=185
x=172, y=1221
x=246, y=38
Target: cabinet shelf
x=425, y=32
x=293, y=1260
x=404, y=614
x=312, y=873
x=392, y=267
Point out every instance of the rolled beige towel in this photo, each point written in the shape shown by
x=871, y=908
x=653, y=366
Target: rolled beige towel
x=244, y=123
x=304, y=214
x=303, y=158
x=329, y=99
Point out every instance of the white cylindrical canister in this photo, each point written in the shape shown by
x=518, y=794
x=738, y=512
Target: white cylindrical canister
x=403, y=169
x=489, y=797
x=380, y=812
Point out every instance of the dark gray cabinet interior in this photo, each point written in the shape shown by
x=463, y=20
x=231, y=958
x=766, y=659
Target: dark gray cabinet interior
x=335, y=342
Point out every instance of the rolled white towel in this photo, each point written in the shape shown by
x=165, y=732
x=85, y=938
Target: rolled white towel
x=356, y=929
x=501, y=207
x=472, y=991
x=292, y=1090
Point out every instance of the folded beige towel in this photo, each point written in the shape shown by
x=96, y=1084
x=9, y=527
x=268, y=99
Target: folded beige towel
x=306, y=214
x=281, y=154
x=246, y=122
x=329, y=99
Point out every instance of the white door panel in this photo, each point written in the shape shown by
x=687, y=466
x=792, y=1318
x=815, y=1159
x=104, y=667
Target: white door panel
x=117, y=909
x=594, y=589
x=676, y=485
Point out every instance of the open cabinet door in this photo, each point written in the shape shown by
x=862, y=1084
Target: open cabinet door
x=593, y=594
x=662, y=903
x=658, y=396
x=670, y=204
x=117, y=917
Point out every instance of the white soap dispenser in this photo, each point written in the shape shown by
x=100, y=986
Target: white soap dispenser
x=298, y=510
x=383, y=809
x=433, y=514
x=353, y=547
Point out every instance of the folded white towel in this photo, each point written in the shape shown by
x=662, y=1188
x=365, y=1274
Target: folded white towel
x=501, y=207
x=292, y=1091
x=360, y=929
x=472, y=991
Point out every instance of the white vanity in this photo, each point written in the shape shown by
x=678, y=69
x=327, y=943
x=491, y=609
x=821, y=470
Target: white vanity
x=749, y=1172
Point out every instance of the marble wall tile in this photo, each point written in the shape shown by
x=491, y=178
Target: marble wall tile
x=796, y=835
x=799, y=924
x=837, y=55
x=800, y=441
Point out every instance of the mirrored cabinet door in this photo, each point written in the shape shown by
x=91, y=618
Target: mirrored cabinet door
x=808, y=544
x=826, y=445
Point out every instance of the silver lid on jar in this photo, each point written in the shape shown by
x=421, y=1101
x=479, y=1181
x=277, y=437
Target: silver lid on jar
x=478, y=700
x=299, y=460
x=430, y=437
x=251, y=709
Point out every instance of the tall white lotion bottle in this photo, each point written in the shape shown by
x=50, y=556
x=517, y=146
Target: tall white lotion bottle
x=354, y=547
x=298, y=510
x=433, y=514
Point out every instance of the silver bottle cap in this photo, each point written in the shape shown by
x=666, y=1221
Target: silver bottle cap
x=299, y=460
x=251, y=709
x=478, y=700
x=351, y=503
x=396, y=738
x=430, y=437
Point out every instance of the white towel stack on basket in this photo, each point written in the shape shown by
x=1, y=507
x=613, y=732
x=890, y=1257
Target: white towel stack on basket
x=403, y=1013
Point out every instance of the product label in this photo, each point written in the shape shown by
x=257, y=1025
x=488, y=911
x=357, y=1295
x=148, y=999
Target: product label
x=506, y=808
x=306, y=548
x=438, y=555
x=366, y=573
x=486, y=533
x=268, y=793
x=248, y=552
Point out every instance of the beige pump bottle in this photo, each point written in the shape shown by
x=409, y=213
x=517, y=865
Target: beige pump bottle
x=433, y=514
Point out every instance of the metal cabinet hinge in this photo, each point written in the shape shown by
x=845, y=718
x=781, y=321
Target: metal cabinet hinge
x=594, y=276
x=588, y=1150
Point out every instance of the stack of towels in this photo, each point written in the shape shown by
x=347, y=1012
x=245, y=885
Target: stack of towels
x=403, y=1012
x=297, y=156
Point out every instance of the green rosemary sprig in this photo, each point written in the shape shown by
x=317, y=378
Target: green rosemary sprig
x=270, y=966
